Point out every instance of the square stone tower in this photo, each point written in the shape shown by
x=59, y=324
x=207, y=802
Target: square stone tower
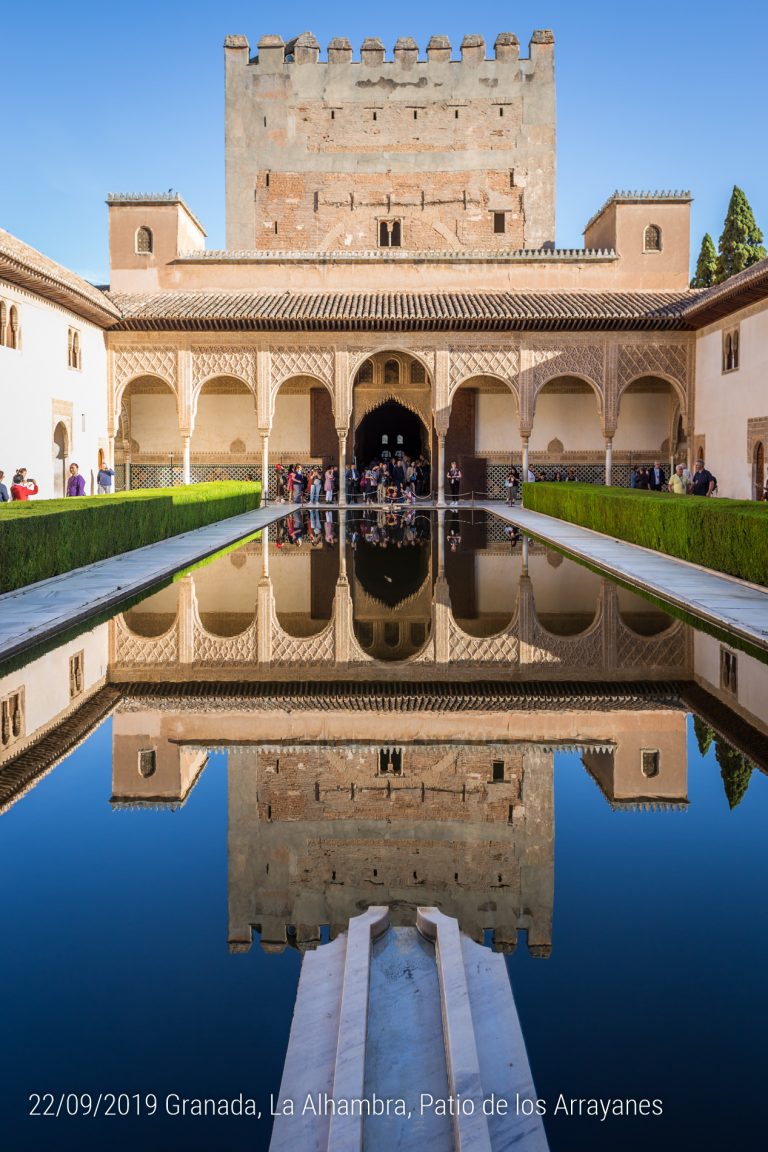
x=426, y=156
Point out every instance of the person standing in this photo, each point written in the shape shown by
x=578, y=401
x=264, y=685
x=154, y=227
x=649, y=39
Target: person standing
x=677, y=482
x=454, y=479
x=703, y=483
x=22, y=489
x=328, y=485
x=104, y=480
x=656, y=477
x=352, y=480
x=643, y=479
x=298, y=484
x=5, y=497
x=76, y=482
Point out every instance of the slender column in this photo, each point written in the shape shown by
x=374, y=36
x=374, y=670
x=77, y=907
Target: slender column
x=111, y=452
x=441, y=469
x=441, y=543
x=127, y=473
x=187, y=474
x=525, y=555
x=264, y=468
x=608, y=460
x=524, y=468
x=342, y=469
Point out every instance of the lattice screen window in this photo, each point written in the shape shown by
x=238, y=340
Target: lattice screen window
x=650, y=762
x=144, y=241
x=147, y=762
x=652, y=238
x=76, y=674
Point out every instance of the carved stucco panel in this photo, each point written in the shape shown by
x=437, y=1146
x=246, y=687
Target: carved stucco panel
x=501, y=362
x=217, y=360
x=131, y=362
x=316, y=362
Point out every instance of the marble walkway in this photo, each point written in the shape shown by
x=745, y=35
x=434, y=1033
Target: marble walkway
x=724, y=601
x=32, y=614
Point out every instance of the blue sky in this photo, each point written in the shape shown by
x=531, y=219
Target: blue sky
x=130, y=97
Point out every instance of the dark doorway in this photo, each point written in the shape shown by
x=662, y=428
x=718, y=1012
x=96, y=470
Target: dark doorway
x=378, y=433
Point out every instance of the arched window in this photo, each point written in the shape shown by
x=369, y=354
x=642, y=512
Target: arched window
x=144, y=241
x=3, y=321
x=730, y=349
x=13, y=341
x=76, y=350
x=390, y=234
x=652, y=238
x=365, y=374
x=391, y=372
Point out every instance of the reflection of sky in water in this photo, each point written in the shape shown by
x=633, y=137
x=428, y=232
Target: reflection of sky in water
x=115, y=970
x=117, y=975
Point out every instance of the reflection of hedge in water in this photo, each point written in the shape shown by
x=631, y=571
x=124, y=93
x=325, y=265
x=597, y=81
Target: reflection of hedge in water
x=735, y=769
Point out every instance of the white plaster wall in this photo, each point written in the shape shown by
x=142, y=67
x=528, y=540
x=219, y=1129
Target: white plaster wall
x=725, y=401
x=35, y=375
x=752, y=676
x=645, y=421
x=46, y=680
x=164, y=603
x=223, y=418
x=496, y=428
x=155, y=424
x=571, y=418
x=290, y=426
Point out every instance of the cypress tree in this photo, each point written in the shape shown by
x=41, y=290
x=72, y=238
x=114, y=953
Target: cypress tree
x=735, y=770
x=706, y=265
x=741, y=243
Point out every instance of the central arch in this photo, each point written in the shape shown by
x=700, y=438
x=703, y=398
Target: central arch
x=387, y=429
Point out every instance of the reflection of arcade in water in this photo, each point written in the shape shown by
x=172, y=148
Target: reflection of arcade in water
x=379, y=593
x=342, y=798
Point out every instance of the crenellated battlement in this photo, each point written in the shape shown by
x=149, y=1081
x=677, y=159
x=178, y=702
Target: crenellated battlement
x=305, y=49
x=389, y=148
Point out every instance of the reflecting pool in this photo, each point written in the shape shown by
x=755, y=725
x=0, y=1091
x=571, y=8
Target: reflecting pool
x=387, y=709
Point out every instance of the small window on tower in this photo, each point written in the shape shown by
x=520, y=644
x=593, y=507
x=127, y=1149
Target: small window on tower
x=499, y=222
x=390, y=234
x=652, y=238
x=144, y=241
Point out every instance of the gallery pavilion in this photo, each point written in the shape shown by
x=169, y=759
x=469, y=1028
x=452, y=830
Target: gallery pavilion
x=390, y=280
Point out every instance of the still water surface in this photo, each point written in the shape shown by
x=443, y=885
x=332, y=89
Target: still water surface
x=155, y=911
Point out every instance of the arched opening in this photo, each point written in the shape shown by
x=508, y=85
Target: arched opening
x=390, y=430
x=566, y=439
x=649, y=428
x=759, y=478
x=304, y=569
x=391, y=588
x=303, y=428
x=483, y=435
x=148, y=436
x=156, y=615
x=225, y=443
x=482, y=577
x=60, y=459
x=227, y=591
x=391, y=406
x=567, y=596
x=101, y=459
x=640, y=616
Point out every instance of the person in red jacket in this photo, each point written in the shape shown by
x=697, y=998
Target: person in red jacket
x=22, y=489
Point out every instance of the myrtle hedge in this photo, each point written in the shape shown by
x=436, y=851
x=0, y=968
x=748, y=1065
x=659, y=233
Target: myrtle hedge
x=728, y=535
x=43, y=538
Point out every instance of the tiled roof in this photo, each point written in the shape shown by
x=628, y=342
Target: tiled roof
x=28, y=268
x=745, y=288
x=401, y=311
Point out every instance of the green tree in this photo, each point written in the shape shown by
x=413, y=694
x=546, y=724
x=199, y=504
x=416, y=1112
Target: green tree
x=741, y=243
x=735, y=770
x=704, y=735
x=706, y=265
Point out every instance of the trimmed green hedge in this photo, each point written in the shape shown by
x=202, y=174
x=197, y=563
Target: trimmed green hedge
x=727, y=535
x=43, y=538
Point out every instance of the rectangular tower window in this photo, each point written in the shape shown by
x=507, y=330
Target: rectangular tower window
x=501, y=110
x=415, y=114
x=498, y=771
x=499, y=222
